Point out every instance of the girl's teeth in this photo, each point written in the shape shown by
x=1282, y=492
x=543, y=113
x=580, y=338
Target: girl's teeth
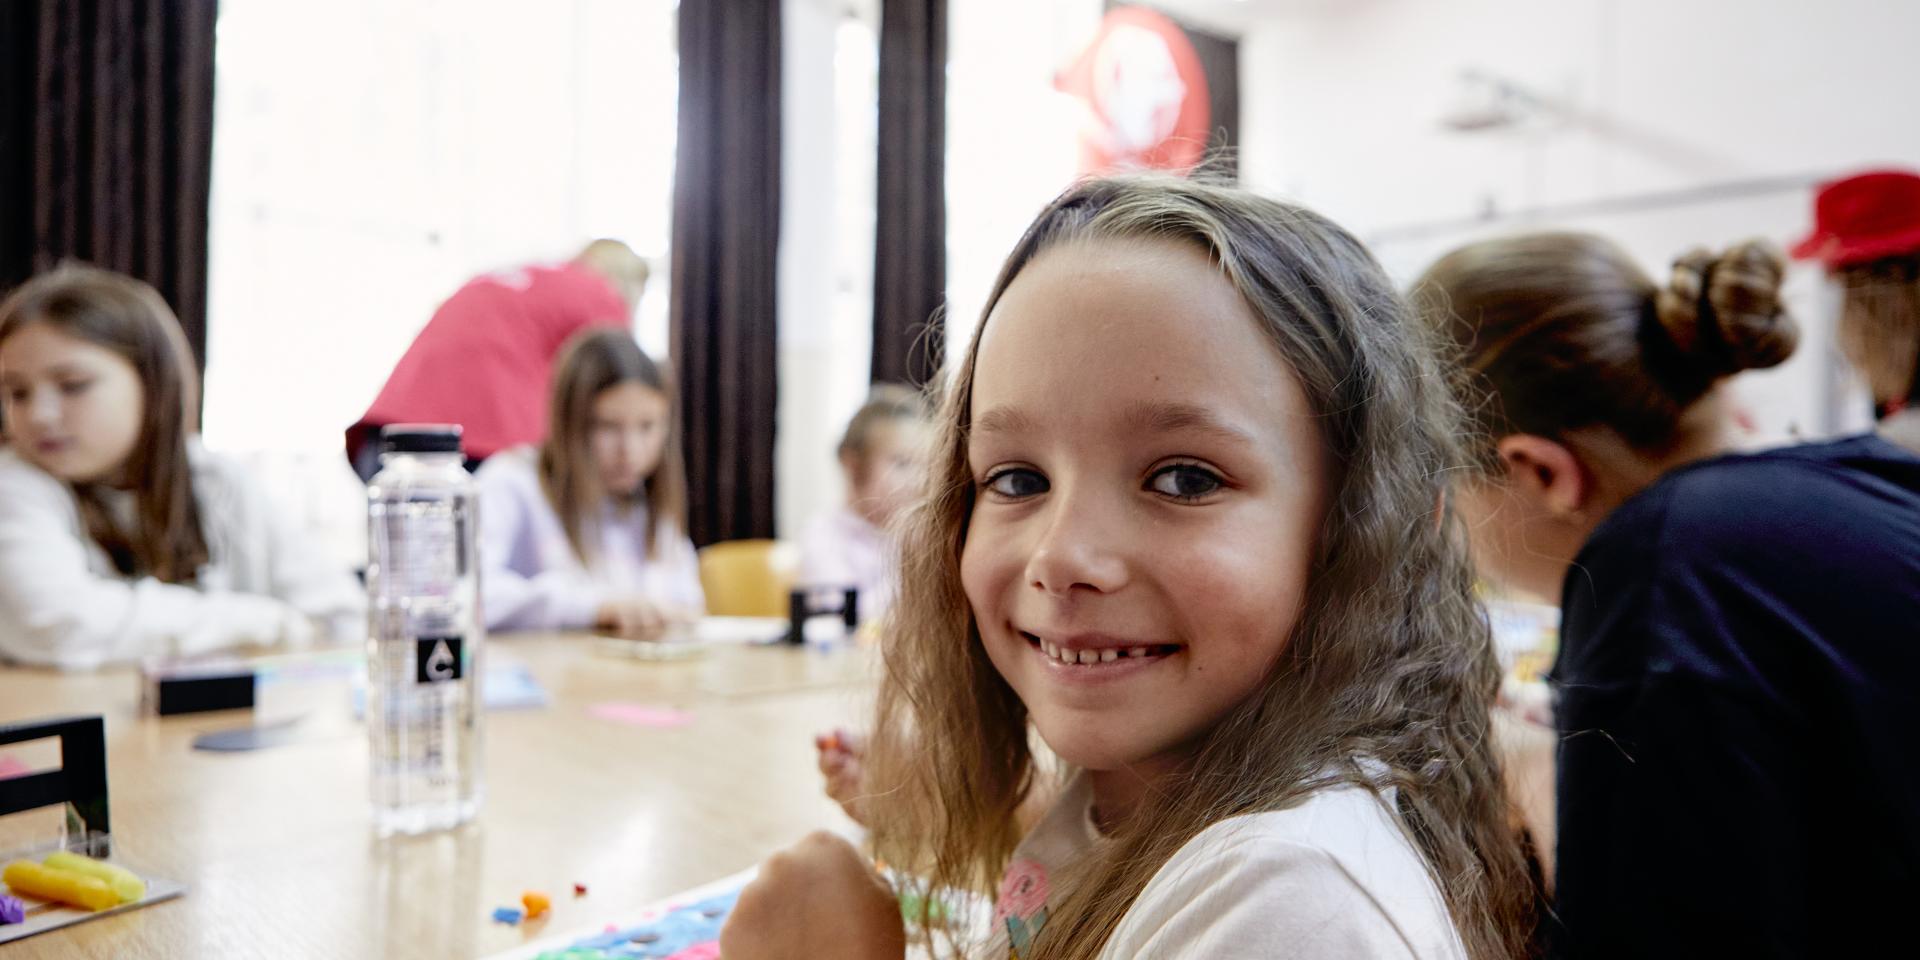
x=1108, y=655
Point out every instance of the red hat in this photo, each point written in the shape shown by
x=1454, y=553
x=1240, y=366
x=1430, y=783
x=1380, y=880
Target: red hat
x=1864, y=217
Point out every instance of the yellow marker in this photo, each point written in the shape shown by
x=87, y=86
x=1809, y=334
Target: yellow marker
x=129, y=887
x=36, y=880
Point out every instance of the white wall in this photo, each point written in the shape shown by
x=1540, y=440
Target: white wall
x=1012, y=139
x=1342, y=108
x=1011, y=146
x=826, y=250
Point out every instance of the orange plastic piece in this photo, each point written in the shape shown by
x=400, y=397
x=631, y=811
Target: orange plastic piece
x=537, y=903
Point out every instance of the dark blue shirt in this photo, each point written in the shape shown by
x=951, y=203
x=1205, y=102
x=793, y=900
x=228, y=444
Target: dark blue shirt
x=1738, y=697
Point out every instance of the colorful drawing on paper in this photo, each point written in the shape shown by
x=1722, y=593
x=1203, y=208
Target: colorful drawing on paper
x=687, y=931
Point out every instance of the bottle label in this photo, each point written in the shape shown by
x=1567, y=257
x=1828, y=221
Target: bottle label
x=437, y=660
x=423, y=558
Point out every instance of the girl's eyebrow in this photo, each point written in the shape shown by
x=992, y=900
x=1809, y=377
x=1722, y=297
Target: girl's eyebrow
x=1003, y=420
x=1168, y=417
x=1153, y=417
x=55, y=371
x=65, y=369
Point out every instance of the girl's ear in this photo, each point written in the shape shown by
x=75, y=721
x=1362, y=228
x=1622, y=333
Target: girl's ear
x=1546, y=473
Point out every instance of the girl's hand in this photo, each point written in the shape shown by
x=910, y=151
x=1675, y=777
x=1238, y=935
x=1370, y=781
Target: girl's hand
x=818, y=898
x=631, y=617
x=841, y=755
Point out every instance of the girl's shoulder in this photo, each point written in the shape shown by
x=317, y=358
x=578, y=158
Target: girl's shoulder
x=832, y=529
x=517, y=469
x=31, y=495
x=229, y=491
x=20, y=479
x=523, y=459
x=208, y=466
x=1335, y=875
x=1755, y=511
x=1346, y=825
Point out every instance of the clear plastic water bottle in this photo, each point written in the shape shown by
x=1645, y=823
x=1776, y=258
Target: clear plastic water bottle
x=426, y=634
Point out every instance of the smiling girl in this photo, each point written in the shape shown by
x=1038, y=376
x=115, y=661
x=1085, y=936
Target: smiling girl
x=1182, y=526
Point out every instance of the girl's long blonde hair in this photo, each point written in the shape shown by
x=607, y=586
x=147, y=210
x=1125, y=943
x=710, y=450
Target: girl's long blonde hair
x=1391, y=660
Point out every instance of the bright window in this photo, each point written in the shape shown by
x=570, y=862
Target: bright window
x=369, y=157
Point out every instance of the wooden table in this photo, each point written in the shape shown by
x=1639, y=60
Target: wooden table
x=279, y=860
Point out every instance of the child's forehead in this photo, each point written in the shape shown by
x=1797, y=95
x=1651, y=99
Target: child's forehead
x=1143, y=416
x=1071, y=395
x=1104, y=324
x=51, y=349
x=1079, y=287
x=890, y=434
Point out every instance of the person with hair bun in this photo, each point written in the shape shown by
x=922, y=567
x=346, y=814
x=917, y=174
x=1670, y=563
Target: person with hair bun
x=1736, y=770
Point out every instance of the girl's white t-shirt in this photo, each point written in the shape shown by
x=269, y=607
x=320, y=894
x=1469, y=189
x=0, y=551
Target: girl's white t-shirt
x=842, y=550
x=1335, y=877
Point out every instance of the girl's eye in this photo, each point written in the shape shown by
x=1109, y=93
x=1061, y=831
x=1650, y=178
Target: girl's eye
x=1017, y=483
x=1184, y=481
x=75, y=387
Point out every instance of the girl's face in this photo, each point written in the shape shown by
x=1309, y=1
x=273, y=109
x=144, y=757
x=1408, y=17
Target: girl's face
x=1149, y=486
x=73, y=408
x=885, y=476
x=628, y=434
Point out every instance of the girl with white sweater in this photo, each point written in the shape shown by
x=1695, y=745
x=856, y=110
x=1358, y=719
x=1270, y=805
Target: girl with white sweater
x=120, y=537
x=587, y=530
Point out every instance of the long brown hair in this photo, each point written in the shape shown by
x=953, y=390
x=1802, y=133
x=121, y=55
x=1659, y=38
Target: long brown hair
x=1560, y=331
x=1390, y=663
x=129, y=318
x=1880, y=325
x=591, y=362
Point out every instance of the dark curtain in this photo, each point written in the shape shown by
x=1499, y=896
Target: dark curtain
x=106, y=142
x=726, y=227
x=1220, y=61
x=910, y=217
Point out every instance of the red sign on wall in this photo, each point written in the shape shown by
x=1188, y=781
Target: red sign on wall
x=1145, y=92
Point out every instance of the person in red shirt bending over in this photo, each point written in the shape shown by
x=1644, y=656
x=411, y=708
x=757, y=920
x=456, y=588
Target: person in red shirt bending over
x=484, y=359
